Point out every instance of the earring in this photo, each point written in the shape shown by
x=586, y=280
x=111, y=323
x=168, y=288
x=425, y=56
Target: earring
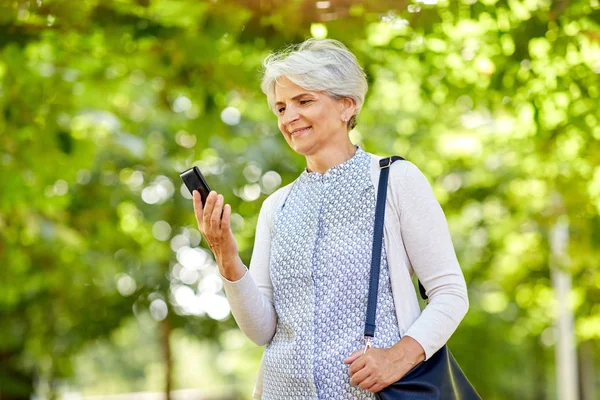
x=345, y=119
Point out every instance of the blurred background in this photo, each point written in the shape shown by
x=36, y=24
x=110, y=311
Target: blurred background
x=108, y=291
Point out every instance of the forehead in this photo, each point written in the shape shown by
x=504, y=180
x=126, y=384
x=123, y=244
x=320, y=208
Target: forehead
x=285, y=89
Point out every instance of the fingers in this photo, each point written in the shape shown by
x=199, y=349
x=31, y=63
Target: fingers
x=226, y=219
x=212, y=215
x=217, y=211
x=197, y=206
x=362, y=376
x=359, y=377
x=352, y=357
x=357, y=365
x=371, y=385
x=211, y=199
x=374, y=387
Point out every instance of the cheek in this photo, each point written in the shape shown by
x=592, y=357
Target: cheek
x=281, y=127
x=323, y=117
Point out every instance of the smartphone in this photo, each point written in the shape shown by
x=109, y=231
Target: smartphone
x=194, y=180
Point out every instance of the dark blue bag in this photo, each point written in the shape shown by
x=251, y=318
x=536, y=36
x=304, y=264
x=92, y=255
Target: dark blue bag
x=439, y=377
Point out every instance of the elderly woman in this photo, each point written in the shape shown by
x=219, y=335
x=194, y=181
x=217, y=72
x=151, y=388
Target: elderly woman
x=305, y=293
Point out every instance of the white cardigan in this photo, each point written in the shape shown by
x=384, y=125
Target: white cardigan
x=417, y=240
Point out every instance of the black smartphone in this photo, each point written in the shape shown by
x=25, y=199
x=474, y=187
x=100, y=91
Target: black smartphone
x=194, y=180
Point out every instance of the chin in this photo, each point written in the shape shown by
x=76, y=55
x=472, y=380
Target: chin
x=298, y=149
x=305, y=150
x=303, y=146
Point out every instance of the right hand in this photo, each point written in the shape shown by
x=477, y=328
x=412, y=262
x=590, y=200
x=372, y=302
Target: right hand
x=214, y=224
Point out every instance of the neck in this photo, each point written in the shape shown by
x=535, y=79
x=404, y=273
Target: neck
x=329, y=158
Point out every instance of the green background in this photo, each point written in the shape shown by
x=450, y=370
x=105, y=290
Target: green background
x=105, y=283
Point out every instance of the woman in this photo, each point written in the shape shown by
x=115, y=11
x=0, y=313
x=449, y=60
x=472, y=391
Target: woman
x=305, y=293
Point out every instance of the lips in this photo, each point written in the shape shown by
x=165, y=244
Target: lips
x=300, y=131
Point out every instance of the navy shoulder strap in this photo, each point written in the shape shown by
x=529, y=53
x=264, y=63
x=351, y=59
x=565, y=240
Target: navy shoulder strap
x=384, y=165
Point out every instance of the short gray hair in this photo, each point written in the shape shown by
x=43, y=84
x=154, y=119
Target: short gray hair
x=323, y=65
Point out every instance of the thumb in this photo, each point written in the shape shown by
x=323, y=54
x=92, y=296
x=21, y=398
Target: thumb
x=352, y=357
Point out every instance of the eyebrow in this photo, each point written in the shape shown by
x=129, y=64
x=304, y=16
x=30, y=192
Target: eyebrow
x=294, y=98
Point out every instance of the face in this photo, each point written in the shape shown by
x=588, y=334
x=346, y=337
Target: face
x=310, y=121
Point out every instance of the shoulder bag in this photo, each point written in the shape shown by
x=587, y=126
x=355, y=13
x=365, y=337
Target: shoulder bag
x=439, y=377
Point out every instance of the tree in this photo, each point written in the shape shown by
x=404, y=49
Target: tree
x=105, y=102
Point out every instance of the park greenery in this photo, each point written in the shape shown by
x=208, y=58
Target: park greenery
x=106, y=285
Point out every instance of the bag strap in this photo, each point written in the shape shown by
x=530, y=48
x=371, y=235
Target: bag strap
x=384, y=165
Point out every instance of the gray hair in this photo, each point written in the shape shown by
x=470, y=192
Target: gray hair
x=323, y=65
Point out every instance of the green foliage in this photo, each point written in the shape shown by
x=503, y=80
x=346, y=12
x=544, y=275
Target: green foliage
x=103, y=103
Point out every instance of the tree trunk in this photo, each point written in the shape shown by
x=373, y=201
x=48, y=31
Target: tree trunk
x=165, y=328
x=588, y=371
x=15, y=384
x=540, y=370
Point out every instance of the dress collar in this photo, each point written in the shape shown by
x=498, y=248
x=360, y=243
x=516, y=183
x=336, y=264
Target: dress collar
x=356, y=161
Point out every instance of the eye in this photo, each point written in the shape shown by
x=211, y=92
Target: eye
x=280, y=110
x=305, y=101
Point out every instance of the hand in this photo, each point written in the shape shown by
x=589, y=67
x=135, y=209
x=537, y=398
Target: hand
x=379, y=368
x=214, y=223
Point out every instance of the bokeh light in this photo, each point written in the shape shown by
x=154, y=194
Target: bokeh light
x=126, y=285
x=159, y=309
x=161, y=230
x=231, y=116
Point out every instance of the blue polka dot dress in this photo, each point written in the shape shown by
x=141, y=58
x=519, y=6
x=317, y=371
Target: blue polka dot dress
x=319, y=266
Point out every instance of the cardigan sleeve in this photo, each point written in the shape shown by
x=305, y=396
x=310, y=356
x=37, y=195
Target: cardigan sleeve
x=429, y=247
x=251, y=297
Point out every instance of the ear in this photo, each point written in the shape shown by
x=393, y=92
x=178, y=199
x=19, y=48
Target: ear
x=348, y=107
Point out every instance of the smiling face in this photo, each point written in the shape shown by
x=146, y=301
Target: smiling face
x=311, y=121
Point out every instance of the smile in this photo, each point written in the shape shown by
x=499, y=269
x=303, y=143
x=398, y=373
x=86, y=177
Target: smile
x=300, y=131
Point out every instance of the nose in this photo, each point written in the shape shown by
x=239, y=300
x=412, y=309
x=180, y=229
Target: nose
x=289, y=115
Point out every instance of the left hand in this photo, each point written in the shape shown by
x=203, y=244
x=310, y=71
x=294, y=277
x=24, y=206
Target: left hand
x=379, y=368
